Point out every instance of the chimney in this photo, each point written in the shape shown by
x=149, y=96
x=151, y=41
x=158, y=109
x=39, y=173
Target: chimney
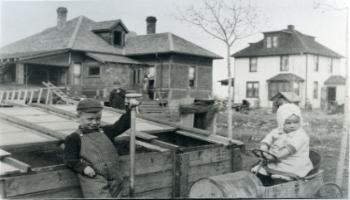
x=290, y=27
x=61, y=17
x=151, y=24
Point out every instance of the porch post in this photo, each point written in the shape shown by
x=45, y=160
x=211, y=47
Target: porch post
x=19, y=73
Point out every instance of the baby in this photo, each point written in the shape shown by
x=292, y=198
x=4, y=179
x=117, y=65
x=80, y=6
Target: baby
x=289, y=143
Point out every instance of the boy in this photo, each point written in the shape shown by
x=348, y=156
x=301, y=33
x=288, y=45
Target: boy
x=289, y=143
x=90, y=150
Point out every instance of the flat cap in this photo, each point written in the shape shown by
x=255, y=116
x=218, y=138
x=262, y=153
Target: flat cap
x=89, y=106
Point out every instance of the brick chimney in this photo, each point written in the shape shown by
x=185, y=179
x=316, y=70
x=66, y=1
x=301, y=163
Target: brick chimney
x=61, y=17
x=151, y=24
x=290, y=27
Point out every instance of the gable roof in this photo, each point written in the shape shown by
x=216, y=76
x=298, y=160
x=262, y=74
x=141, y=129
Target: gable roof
x=164, y=43
x=76, y=35
x=335, y=80
x=294, y=42
x=108, y=25
x=286, y=77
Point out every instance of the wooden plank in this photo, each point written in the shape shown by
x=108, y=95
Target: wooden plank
x=162, y=193
x=4, y=154
x=165, y=145
x=39, y=95
x=207, y=170
x=237, y=160
x=30, y=183
x=183, y=179
x=7, y=169
x=31, y=96
x=67, y=192
x=47, y=96
x=43, y=118
x=25, y=96
x=23, y=167
x=150, y=146
x=1, y=95
x=209, y=155
x=38, y=128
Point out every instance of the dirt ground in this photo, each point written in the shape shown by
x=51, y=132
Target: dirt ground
x=325, y=133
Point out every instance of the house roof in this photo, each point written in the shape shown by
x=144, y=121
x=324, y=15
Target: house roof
x=112, y=58
x=294, y=42
x=335, y=80
x=225, y=81
x=78, y=35
x=164, y=43
x=286, y=77
x=290, y=96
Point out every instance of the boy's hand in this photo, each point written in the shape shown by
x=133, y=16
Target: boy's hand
x=133, y=103
x=88, y=171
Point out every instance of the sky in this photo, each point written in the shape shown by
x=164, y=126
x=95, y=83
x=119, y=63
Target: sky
x=22, y=18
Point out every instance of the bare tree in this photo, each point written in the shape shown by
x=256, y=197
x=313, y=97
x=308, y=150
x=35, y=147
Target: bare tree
x=228, y=21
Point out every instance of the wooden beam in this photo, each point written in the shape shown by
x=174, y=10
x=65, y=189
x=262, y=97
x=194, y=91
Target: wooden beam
x=165, y=145
x=4, y=154
x=18, y=164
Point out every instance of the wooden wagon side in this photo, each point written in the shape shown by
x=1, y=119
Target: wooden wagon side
x=154, y=172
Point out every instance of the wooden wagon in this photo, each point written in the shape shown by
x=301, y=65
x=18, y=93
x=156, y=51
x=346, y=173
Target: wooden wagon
x=169, y=157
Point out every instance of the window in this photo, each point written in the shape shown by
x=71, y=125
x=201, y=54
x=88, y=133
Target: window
x=94, y=71
x=316, y=62
x=274, y=41
x=191, y=76
x=76, y=73
x=252, y=89
x=118, y=38
x=330, y=69
x=136, y=76
x=284, y=63
x=268, y=42
x=315, y=89
x=253, y=64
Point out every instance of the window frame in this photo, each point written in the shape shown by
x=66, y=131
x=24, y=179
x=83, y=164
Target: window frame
x=94, y=75
x=121, y=38
x=136, y=76
x=275, y=41
x=315, y=90
x=284, y=68
x=251, y=64
x=255, y=89
x=331, y=65
x=194, y=80
x=268, y=42
x=316, y=63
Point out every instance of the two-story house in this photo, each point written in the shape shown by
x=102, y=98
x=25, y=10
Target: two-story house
x=288, y=61
x=92, y=58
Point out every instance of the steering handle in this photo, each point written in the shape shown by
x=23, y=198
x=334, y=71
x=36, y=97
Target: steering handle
x=260, y=154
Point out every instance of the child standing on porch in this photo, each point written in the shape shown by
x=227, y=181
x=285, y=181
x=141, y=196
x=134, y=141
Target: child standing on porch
x=289, y=143
x=91, y=153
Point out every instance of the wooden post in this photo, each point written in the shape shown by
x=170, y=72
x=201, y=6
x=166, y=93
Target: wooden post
x=132, y=143
x=25, y=96
x=39, y=96
x=1, y=95
x=47, y=100
x=31, y=96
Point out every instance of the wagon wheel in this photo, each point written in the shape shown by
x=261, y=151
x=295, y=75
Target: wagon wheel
x=329, y=191
x=260, y=154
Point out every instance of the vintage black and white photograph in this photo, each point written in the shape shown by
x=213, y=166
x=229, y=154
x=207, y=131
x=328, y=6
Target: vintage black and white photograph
x=174, y=99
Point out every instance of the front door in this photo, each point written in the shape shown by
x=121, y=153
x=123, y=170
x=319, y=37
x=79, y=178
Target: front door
x=331, y=93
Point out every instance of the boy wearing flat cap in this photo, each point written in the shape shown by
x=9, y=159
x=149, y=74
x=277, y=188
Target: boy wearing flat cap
x=91, y=153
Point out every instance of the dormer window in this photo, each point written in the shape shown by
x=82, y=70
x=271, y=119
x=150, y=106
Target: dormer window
x=271, y=41
x=118, y=38
x=268, y=42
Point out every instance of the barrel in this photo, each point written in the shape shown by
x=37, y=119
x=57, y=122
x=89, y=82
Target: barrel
x=240, y=184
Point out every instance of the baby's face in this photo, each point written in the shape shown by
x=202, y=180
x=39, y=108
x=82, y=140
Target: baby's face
x=90, y=120
x=291, y=124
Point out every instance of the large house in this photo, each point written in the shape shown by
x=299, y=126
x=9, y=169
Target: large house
x=92, y=58
x=288, y=61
